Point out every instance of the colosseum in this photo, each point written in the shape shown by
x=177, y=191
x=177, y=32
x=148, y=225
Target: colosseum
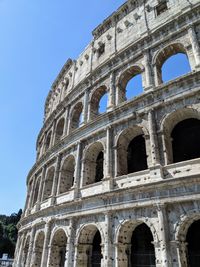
x=120, y=187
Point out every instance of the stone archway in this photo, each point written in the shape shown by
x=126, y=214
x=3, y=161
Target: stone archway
x=131, y=151
x=89, y=250
x=58, y=249
x=93, y=169
x=135, y=245
x=38, y=250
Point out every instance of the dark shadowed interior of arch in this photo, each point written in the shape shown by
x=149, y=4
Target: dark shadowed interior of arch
x=96, y=250
x=36, y=191
x=175, y=66
x=186, y=140
x=60, y=129
x=136, y=156
x=103, y=104
x=134, y=87
x=48, y=141
x=192, y=239
x=67, y=175
x=142, y=249
x=99, y=167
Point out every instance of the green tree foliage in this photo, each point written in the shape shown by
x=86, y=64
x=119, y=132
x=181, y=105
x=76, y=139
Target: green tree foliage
x=8, y=233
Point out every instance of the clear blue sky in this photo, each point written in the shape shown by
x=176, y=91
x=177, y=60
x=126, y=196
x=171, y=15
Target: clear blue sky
x=37, y=37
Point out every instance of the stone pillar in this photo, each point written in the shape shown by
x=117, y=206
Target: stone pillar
x=111, y=98
x=148, y=71
x=19, y=250
x=182, y=254
x=123, y=252
x=109, y=154
x=153, y=138
x=195, y=45
x=66, y=120
x=156, y=75
x=108, y=246
x=45, y=252
x=53, y=136
x=165, y=257
x=30, y=249
x=41, y=190
x=30, y=196
x=175, y=255
x=55, y=180
x=85, y=107
x=70, y=245
x=82, y=255
x=77, y=174
x=115, y=161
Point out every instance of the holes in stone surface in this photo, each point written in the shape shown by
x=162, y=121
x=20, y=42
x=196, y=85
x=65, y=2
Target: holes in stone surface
x=136, y=156
x=192, y=239
x=186, y=140
x=161, y=7
x=67, y=175
x=38, y=249
x=142, y=249
x=175, y=66
x=58, y=249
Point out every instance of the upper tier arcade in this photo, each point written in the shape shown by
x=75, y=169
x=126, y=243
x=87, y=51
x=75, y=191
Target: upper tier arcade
x=121, y=186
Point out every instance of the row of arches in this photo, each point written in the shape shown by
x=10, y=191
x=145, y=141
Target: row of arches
x=136, y=245
x=129, y=84
x=132, y=150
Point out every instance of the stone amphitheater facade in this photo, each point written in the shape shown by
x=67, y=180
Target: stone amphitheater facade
x=87, y=205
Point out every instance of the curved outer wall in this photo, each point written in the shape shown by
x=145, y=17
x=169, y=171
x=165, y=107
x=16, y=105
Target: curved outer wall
x=64, y=205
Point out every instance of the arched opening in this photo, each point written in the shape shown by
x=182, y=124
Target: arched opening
x=136, y=156
x=58, y=249
x=89, y=247
x=99, y=167
x=130, y=84
x=131, y=151
x=67, y=174
x=59, y=129
x=25, y=251
x=48, y=141
x=134, y=87
x=96, y=251
x=167, y=61
x=35, y=197
x=48, y=183
x=192, y=239
x=186, y=140
x=142, y=249
x=98, y=102
x=93, y=164
x=135, y=245
x=38, y=249
x=103, y=103
x=76, y=117
x=175, y=66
